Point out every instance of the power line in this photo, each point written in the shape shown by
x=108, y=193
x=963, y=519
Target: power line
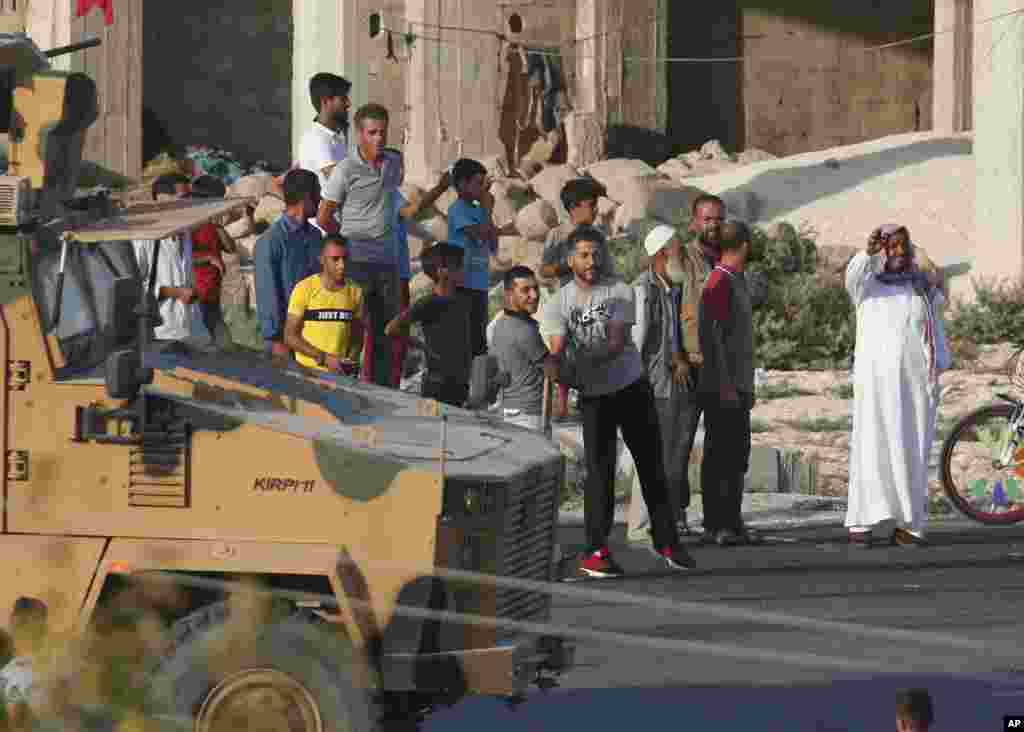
x=411, y=37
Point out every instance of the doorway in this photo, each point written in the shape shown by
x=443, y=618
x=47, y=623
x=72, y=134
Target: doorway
x=213, y=76
x=705, y=100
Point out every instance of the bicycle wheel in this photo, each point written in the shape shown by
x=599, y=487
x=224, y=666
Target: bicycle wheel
x=971, y=475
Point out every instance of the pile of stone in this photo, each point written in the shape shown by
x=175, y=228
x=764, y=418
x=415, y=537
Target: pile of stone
x=637, y=197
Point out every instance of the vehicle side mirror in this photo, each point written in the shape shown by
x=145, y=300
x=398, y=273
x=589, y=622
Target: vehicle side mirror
x=485, y=380
x=125, y=375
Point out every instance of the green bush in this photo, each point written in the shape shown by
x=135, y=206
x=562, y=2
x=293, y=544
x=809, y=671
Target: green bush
x=806, y=321
x=995, y=316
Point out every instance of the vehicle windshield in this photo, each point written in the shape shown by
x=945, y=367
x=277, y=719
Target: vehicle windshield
x=84, y=331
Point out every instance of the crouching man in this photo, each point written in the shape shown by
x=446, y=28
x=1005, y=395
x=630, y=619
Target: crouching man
x=324, y=325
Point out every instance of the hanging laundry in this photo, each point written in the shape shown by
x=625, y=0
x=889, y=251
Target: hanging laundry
x=544, y=70
x=82, y=7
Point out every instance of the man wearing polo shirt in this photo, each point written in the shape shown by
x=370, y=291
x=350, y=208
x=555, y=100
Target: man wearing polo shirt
x=360, y=190
x=325, y=144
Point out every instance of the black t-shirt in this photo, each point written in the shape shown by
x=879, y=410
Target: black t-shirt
x=445, y=322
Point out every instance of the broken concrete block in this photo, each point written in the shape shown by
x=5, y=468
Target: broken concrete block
x=586, y=139
x=232, y=286
x=709, y=166
x=753, y=155
x=675, y=168
x=713, y=150
x=548, y=183
x=240, y=227
x=529, y=168
x=657, y=198
x=256, y=185
x=536, y=220
x=497, y=166
x=268, y=209
x=505, y=208
x=616, y=175
x=606, y=209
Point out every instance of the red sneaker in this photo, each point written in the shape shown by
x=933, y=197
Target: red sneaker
x=599, y=564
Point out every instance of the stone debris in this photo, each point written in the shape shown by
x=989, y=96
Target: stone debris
x=585, y=139
x=548, y=183
x=536, y=220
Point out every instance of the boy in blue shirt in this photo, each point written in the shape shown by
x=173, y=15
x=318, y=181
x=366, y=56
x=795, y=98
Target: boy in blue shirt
x=471, y=228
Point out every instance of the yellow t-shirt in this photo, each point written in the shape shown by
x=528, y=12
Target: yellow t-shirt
x=327, y=316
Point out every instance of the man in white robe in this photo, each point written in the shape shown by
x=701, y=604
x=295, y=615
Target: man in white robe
x=900, y=352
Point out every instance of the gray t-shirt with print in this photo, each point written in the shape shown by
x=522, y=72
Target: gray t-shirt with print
x=584, y=319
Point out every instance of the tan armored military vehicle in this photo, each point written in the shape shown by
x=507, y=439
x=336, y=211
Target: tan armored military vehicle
x=128, y=459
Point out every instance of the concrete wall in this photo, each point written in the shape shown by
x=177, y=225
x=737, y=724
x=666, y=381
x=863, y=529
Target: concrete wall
x=216, y=76
x=333, y=37
x=807, y=85
x=828, y=92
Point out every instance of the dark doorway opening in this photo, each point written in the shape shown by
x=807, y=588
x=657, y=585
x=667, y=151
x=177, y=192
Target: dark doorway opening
x=214, y=77
x=705, y=100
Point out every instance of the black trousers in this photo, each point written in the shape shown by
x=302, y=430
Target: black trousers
x=677, y=421
x=725, y=463
x=448, y=392
x=632, y=410
x=477, y=301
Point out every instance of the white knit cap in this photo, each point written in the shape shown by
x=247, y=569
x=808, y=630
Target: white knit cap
x=660, y=236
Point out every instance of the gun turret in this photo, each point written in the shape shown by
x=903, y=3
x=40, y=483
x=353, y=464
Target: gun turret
x=46, y=114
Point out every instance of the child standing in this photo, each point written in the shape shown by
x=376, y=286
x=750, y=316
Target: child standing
x=208, y=242
x=445, y=319
x=471, y=228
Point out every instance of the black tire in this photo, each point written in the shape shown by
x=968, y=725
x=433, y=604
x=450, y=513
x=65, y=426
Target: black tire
x=200, y=676
x=958, y=433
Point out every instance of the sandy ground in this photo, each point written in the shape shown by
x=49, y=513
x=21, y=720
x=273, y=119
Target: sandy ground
x=810, y=410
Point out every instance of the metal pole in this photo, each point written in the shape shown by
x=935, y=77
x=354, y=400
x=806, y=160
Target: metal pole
x=546, y=408
x=59, y=295
x=61, y=50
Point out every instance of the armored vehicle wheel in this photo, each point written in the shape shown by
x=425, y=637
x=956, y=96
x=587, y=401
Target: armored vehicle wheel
x=292, y=675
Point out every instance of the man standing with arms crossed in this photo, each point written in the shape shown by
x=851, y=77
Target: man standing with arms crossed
x=589, y=320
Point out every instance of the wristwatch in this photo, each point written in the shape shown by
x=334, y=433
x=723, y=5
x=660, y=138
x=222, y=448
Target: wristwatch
x=321, y=360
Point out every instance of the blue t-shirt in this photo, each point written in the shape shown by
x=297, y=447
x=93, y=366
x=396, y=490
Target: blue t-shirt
x=477, y=255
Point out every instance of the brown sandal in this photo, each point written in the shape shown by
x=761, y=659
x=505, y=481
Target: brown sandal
x=902, y=537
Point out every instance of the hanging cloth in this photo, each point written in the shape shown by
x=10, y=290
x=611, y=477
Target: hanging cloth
x=82, y=7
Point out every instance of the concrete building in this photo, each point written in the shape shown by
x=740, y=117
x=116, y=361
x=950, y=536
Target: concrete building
x=234, y=74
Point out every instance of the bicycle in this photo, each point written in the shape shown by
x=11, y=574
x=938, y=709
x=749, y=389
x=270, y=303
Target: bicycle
x=982, y=466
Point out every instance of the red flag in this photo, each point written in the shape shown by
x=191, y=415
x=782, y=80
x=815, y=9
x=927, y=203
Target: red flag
x=107, y=6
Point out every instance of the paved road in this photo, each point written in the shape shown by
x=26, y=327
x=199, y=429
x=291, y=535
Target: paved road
x=968, y=588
